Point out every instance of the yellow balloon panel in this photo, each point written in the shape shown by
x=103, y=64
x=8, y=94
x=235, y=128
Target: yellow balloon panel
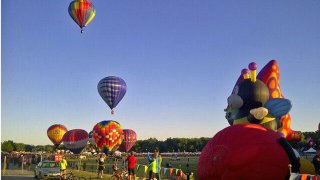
x=306, y=167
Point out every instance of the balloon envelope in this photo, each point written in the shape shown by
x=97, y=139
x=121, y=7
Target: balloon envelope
x=55, y=133
x=246, y=151
x=82, y=12
x=108, y=135
x=129, y=139
x=75, y=140
x=112, y=89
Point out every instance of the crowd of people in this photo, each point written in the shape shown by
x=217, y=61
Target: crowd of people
x=130, y=163
x=17, y=160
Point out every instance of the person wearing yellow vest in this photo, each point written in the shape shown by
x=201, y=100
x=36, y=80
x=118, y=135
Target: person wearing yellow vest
x=152, y=167
x=63, y=167
x=157, y=157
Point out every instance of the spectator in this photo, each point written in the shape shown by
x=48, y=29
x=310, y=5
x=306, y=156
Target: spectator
x=316, y=162
x=63, y=167
x=132, y=165
x=158, y=161
x=152, y=167
x=100, y=166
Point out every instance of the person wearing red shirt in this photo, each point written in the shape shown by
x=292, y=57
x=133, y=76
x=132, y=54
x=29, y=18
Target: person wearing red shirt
x=132, y=161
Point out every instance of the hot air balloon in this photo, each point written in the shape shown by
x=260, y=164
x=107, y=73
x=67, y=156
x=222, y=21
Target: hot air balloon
x=55, y=133
x=75, y=140
x=246, y=151
x=108, y=135
x=258, y=99
x=112, y=89
x=129, y=139
x=82, y=12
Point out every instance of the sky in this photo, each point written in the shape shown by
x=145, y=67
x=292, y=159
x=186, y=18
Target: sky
x=179, y=58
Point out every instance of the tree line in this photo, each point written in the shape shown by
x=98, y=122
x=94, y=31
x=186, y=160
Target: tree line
x=152, y=144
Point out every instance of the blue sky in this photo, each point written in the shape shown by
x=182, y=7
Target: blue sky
x=179, y=58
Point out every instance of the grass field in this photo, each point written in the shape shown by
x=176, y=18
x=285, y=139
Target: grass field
x=88, y=167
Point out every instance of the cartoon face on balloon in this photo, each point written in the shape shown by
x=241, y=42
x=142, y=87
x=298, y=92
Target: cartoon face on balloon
x=253, y=101
x=246, y=96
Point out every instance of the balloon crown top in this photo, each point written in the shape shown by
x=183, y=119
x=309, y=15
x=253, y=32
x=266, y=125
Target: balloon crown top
x=253, y=66
x=245, y=73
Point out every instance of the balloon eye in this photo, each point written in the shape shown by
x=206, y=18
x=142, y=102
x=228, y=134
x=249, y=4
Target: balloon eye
x=235, y=101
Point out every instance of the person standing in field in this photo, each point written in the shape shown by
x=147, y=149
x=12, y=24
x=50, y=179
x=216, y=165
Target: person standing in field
x=63, y=167
x=158, y=161
x=100, y=166
x=159, y=166
x=132, y=161
x=152, y=167
x=316, y=162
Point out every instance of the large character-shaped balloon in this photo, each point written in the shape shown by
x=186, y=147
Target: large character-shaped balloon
x=129, y=139
x=112, y=89
x=270, y=75
x=108, y=135
x=246, y=151
x=82, y=12
x=75, y=140
x=55, y=133
x=259, y=100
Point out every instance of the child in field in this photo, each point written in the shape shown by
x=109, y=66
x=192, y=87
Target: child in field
x=101, y=166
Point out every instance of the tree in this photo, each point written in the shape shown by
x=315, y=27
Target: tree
x=7, y=146
x=20, y=147
x=38, y=148
x=49, y=148
x=28, y=148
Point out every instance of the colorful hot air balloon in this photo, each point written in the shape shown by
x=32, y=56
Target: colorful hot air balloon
x=129, y=139
x=108, y=135
x=75, y=140
x=82, y=12
x=112, y=89
x=55, y=133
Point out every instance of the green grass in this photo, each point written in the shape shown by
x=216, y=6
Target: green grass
x=91, y=166
x=89, y=175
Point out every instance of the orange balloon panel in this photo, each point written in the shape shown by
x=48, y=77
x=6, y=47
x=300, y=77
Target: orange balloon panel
x=55, y=133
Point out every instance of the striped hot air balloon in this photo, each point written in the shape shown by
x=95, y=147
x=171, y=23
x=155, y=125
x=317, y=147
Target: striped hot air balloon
x=55, y=133
x=129, y=139
x=112, y=89
x=82, y=12
x=108, y=135
x=75, y=140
